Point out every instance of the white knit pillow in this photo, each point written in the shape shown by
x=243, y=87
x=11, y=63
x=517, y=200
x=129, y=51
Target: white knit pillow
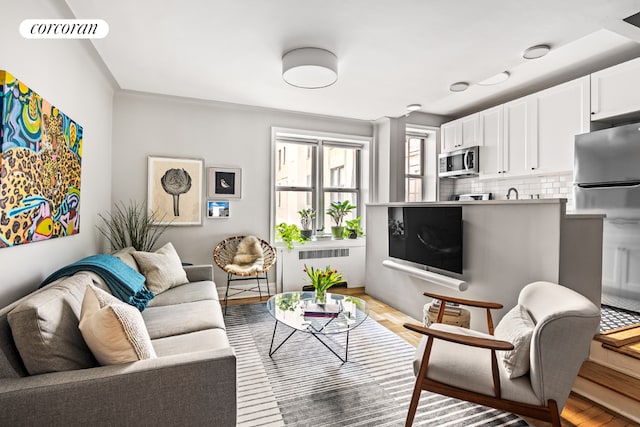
x=162, y=268
x=516, y=327
x=113, y=330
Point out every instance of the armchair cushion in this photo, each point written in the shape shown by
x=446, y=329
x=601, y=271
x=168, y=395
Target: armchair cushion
x=516, y=327
x=469, y=368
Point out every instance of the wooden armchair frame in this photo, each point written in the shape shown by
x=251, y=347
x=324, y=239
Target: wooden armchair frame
x=546, y=413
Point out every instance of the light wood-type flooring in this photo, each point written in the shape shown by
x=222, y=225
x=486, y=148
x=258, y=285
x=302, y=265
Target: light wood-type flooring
x=577, y=412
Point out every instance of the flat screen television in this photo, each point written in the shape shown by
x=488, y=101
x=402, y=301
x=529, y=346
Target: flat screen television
x=427, y=235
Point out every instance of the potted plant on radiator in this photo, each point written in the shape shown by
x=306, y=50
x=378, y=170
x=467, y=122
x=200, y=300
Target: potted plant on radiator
x=306, y=222
x=337, y=211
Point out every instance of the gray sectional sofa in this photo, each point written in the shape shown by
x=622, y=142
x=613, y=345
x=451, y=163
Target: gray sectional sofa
x=191, y=382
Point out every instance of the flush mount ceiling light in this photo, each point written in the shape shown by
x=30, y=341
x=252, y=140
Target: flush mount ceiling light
x=536, y=51
x=310, y=68
x=459, y=87
x=496, y=79
x=414, y=107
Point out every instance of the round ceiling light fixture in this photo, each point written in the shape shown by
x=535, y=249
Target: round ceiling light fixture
x=414, y=107
x=310, y=68
x=459, y=87
x=496, y=79
x=535, y=52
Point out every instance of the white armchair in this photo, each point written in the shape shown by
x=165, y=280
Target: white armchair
x=528, y=366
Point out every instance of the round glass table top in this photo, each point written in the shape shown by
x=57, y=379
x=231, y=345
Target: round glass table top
x=336, y=313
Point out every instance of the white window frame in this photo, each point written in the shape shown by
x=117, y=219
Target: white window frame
x=321, y=140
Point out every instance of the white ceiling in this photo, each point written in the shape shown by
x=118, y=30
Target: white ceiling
x=390, y=53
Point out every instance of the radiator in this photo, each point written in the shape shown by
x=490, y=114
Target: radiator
x=350, y=261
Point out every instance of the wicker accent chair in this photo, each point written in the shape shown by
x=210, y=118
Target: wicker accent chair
x=223, y=255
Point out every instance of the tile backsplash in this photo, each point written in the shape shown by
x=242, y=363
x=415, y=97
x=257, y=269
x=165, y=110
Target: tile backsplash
x=544, y=187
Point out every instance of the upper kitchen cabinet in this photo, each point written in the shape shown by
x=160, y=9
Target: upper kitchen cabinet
x=614, y=91
x=562, y=113
x=520, y=137
x=460, y=133
x=492, y=137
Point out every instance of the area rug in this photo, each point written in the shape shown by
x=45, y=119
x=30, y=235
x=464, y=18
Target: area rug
x=304, y=384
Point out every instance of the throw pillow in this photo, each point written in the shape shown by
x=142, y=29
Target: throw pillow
x=516, y=327
x=126, y=255
x=162, y=268
x=114, y=331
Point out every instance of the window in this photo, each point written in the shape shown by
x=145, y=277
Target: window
x=318, y=171
x=414, y=168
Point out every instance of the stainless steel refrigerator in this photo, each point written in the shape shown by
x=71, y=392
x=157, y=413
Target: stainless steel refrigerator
x=606, y=178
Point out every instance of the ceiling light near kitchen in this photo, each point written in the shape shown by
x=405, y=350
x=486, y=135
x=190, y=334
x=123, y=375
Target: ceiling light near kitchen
x=459, y=87
x=496, y=79
x=413, y=107
x=536, y=51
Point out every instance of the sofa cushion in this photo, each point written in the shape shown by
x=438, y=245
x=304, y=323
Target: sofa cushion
x=209, y=339
x=113, y=330
x=165, y=321
x=189, y=292
x=162, y=268
x=126, y=255
x=515, y=327
x=45, y=328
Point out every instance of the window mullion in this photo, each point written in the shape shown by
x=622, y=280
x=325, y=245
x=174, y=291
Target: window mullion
x=319, y=181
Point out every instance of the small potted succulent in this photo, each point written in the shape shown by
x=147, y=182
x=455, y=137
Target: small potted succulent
x=306, y=222
x=337, y=211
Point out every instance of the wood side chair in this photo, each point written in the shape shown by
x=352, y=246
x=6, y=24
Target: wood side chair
x=527, y=368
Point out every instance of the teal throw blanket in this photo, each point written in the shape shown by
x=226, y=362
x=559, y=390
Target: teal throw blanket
x=124, y=282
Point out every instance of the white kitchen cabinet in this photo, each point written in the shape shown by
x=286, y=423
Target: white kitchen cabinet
x=491, y=130
x=562, y=113
x=621, y=258
x=460, y=133
x=614, y=90
x=520, y=137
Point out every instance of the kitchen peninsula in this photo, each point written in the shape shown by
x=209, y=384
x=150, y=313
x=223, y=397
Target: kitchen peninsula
x=506, y=245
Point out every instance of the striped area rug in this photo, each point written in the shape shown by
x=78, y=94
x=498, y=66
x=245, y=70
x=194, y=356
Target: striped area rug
x=304, y=384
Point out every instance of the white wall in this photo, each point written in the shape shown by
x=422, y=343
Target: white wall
x=221, y=134
x=67, y=74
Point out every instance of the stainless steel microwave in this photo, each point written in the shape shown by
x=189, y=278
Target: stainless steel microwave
x=459, y=164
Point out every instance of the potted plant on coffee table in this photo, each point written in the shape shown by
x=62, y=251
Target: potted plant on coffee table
x=321, y=280
x=337, y=211
x=306, y=222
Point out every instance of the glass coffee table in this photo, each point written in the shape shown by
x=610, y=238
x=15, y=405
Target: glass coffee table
x=299, y=311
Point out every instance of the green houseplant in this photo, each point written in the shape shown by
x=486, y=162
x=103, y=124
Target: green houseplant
x=131, y=225
x=289, y=233
x=306, y=222
x=321, y=280
x=352, y=228
x=337, y=211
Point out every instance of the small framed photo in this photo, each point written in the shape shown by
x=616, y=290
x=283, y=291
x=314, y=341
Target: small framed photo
x=217, y=209
x=225, y=183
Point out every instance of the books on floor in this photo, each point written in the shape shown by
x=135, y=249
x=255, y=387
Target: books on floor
x=322, y=310
x=450, y=309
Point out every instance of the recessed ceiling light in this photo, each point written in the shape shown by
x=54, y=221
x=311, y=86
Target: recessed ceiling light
x=310, y=68
x=413, y=107
x=496, y=79
x=536, y=51
x=459, y=87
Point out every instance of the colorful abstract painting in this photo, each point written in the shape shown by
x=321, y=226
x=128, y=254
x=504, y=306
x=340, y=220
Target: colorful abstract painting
x=41, y=163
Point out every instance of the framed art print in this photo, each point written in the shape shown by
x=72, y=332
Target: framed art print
x=224, y=183
x=218, y=209
x=174, y=190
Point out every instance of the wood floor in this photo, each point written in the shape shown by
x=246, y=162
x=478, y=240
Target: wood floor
x=577, y=411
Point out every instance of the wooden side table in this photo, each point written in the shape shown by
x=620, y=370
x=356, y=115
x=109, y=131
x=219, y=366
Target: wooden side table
x=463, y=320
